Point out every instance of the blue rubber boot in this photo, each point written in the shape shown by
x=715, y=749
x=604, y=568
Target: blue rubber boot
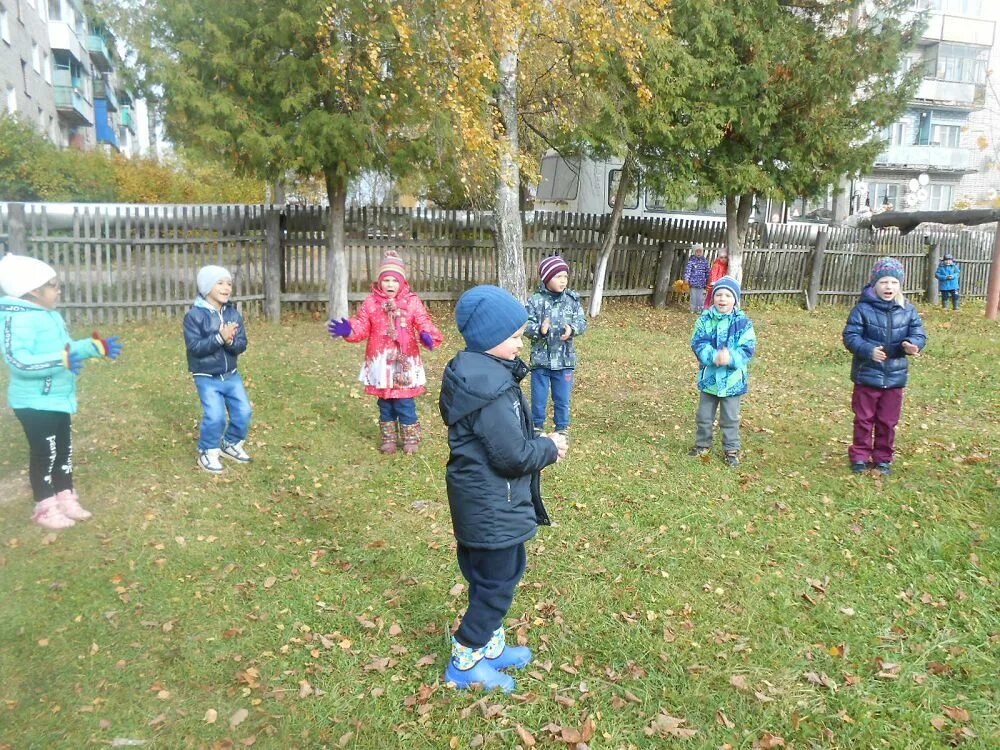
x=468, y=667
x=501, y=656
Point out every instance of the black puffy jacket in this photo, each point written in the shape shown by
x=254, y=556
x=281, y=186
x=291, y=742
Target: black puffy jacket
x=877, y=322
x=493, y=476
x=207, y=353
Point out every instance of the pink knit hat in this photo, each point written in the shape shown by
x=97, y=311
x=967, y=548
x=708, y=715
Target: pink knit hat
x=392, y=265
x=550, y=266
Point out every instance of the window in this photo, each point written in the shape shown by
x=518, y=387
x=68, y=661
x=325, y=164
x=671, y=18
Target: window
x=631, y=198
x=881, y=193
x=36, y=58
x=958, y=62
x=41, y=119
x=11, y=100
x=939, y=197
x=4, y=28
x=47, y=67
x=54, y=14
x=946, y=135
x=24, y=76
x=560, y=179
x=959, y=7
x=896, y=134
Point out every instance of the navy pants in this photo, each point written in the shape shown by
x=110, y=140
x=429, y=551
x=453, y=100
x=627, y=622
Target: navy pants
x=953, y=294
x=403, y=409
x=493, y=575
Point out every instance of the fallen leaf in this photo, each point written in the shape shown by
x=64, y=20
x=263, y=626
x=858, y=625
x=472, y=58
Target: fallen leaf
x=238, y=717
x=211, y=715
x=739, y=682
x=769, y=740
x=957, y=713
x=724, y=720
x=527, y=739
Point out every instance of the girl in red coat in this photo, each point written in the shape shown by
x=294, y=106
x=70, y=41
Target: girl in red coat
x=395, y=322
x=719, y=269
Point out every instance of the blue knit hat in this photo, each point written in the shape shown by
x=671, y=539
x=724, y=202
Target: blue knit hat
x=887, y=267
x=487, y=315
x=728, y=282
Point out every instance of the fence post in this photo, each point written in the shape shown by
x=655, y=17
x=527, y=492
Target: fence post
x=272, y=265
x=816, y=270
x=663, y=268
x=930, y=280
x=17, y=236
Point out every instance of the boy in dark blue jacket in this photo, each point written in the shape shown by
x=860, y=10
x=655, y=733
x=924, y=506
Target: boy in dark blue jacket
x=882, y=331
x=493, y=478
x=215, y=337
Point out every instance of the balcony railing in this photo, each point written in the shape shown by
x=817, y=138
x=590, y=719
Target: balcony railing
x=102, y=90
x=63, y=37
x=952, y=93
x=72, y=107
x=99, y=52
x=939, y=158
x=125, y=116
x=959, y=30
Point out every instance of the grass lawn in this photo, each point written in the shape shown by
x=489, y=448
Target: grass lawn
x=304, y=601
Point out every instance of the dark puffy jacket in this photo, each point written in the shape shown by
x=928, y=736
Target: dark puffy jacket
x=207, y=353
x=493, y=476
x=886, y=323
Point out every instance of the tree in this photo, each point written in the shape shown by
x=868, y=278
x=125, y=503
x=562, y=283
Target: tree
x=510, y=71
x=276, y=85
x=805, y=93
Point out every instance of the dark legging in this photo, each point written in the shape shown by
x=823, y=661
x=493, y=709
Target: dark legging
x=50, y=442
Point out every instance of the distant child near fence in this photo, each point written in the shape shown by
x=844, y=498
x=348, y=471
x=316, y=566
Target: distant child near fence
x=724, y=342
x=696, y=275
x=720, y=268
x=44, y=364
x=882, y=331
x=395, y=322
x=494, y=480
x=948, y=275
x=555, y=319
x=215, y=337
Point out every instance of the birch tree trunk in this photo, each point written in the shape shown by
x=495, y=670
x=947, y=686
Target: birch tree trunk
x=737, y=220
x=336, y=249
x=608, y=243
x=509, y=233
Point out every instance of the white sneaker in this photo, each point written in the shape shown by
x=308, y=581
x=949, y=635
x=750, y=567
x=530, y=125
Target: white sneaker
x=235, y=451
x=209, y=460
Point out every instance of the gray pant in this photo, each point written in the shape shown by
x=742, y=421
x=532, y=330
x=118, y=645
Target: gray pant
x=697, y=299
x=729, y=421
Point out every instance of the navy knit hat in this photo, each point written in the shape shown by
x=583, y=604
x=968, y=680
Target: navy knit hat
x=887, y=267
x=728, y=282
x=948, y=256
x=487, y=315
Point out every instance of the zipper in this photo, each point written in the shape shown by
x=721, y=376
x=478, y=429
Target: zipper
x=508, y=490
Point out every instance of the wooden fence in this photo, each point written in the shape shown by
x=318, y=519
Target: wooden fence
x=138, y=262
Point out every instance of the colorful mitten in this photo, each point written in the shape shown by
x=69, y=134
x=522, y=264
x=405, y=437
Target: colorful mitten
x=338, y=328
x=110, y=347
x=427, y=340
x=72, y=361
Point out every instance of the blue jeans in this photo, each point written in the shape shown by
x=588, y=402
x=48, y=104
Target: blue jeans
x=219, y=397
x=560, y=382
x=403, y=409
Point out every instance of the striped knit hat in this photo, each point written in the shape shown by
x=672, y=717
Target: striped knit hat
x=392, y=265
x=887, y=267
x=550, y=266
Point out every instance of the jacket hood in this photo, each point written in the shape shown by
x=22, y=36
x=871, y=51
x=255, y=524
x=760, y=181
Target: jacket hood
x=472, y=380
x=14, y=305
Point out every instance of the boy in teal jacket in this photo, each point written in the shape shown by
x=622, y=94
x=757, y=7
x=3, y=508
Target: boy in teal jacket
x=44, y=364
x=724, y=343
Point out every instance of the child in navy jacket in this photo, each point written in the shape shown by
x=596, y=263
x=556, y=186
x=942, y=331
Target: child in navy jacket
x=493, y=478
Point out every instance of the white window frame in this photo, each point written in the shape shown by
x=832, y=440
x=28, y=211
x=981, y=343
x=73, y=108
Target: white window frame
x=4, y=25
x=11, y=101
x=47, y=67
x=36, y=57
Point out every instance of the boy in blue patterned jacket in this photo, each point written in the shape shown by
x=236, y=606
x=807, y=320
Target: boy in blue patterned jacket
x=724, y=343
x=555, y=319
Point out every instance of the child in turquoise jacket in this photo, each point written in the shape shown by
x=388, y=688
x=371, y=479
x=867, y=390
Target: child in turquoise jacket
x=44, y=363
x=724, y=343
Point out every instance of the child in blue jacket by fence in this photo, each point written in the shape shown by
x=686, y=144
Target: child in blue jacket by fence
x=44, y=363
x=724, y=343
x=215, y=337
x=948, y=275
x=493, y=478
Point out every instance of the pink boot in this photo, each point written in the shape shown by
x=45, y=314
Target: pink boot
x=48, y=514
x=69, y=504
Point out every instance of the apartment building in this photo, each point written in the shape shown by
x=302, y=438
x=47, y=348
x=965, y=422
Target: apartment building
x=59, y=69
x=947, y=138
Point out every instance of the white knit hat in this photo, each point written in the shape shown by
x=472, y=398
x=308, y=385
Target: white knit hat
x=209, y=276
x=20, y=274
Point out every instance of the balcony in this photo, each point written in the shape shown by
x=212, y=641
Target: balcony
x=926, y=158
x=125, y=117
x=63, y=37
x=951, y=94
x=958, y=30
x=103, y=90
x=72, y=107
x=104, y=124
x=100, y=53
